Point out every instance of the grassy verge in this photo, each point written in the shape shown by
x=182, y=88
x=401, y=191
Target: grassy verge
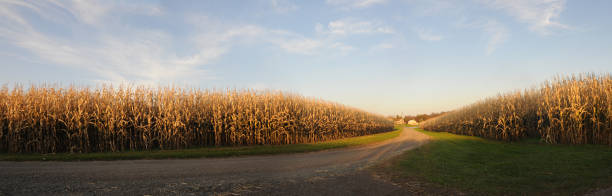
x=485, y=167
x=205, y=152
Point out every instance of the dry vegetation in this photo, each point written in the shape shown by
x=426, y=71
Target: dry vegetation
x=569, y=110
x=47, y=119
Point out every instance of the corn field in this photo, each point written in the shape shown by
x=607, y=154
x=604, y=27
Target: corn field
x=569, y=110
x=49, y=119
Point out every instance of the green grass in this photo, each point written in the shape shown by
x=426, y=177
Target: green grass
x=204, y=152
x=484, y=167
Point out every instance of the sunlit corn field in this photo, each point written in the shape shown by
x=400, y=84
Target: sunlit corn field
x=570, y=110
x=48, y=119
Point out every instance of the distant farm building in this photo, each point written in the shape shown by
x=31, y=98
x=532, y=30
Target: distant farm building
x=413, y=122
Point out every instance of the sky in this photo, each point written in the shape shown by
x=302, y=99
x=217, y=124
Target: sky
x=384, y=56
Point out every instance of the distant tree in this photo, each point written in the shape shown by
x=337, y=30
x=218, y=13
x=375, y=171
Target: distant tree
x=424, y=117
x=409, y=118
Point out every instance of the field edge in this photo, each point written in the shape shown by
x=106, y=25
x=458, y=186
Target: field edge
x=207, y=152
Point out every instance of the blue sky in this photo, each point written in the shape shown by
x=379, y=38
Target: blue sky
x=383, y=56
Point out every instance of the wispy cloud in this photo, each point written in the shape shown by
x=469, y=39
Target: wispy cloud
x=288, y=41
x=494, y=32
x=283, y=6
x=120, y=52
x=381, y=46
x=541, y=15
x=141, y=55
x=348, y=4
x=350, y=26
x=427, y=35
x=497, y=35
x=343, y=48
x=300, y=46
x=437, y=7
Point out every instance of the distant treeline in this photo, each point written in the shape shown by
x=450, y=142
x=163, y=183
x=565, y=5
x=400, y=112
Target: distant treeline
x=418, y=117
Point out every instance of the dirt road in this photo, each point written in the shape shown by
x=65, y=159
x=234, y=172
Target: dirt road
x=331, y=172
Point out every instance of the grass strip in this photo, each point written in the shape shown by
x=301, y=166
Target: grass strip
x=485, y=167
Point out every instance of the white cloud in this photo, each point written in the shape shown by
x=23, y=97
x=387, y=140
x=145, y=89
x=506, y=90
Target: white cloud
x=300, y=46
x=286, y=40
x=347, y=4
x=349, y=26
x=541, y=15
x=90, y=12
x=343, y=28
x=141, y=55
x=427, y=35
x=120, y=52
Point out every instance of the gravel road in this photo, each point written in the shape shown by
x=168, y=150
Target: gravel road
x=330, y=172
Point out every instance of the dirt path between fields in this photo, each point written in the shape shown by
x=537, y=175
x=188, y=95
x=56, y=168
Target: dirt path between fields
x=331, y=172
x=602, y=192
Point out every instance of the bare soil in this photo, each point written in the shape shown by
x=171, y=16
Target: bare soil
x=345, y=171
x=601, y=192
